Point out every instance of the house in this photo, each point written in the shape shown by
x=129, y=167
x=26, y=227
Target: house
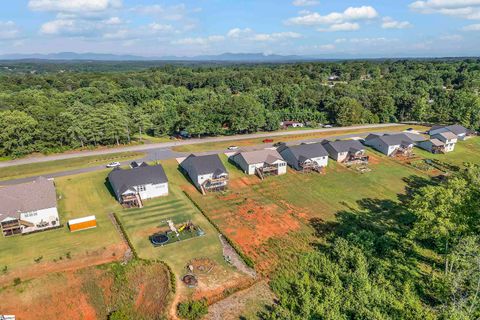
x=347, y=151
x=461, y=132
x=206, y=172
x=133, y=186
x=392, y=145
x=28, y=207
x=261, y=162
x=440, y=143
x=305, y=157
x=291, y=124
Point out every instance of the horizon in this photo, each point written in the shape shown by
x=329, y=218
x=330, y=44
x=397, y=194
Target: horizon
x=153, y=29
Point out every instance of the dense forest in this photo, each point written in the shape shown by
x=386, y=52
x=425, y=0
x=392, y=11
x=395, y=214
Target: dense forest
x=60, y=109
x=418, y=258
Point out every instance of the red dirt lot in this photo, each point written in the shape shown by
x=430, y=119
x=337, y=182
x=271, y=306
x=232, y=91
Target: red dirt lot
x=109, y=254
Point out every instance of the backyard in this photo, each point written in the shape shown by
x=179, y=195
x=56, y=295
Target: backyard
x=55, y=250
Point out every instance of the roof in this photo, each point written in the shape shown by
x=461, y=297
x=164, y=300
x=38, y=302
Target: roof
x=455, y=128
x=437, y=142
x=307, y=151
x=447, y=135
x=260, y=156
x=340, y=146
x=396, y=139
x=122, y=180
x=415, y=137
x=26, y=197
x=81, y=220
x=373, y=136
x=204, y=164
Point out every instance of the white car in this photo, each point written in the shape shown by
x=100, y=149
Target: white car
x=328, y=126
x=232, y=148
x=113, y=165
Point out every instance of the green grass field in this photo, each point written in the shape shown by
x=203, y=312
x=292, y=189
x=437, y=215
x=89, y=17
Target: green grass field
x=141, y=223
x=35, y=169
x=81, y=195
x=465, y=151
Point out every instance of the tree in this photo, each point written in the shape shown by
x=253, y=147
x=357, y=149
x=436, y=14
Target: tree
x=17, y=136
x=246, y=114
x=193, y=309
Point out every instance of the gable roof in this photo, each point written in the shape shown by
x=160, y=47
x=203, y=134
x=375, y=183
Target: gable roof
x=455, y=128
x=373, y=136
x=437, y=142
x=307, y=151
x=340, y=146
x=122, y=180
x=396, y=139
x=31, y=196
x=204, y=164
x=447, y=135
x=259, y=156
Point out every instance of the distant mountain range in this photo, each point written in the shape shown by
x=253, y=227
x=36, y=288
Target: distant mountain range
x=225, y=57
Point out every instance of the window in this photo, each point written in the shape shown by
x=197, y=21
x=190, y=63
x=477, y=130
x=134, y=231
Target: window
x=141, y=188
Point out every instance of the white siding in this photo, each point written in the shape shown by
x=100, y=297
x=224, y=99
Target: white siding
x=340, y=157
x=50, y=216
x=321, y=161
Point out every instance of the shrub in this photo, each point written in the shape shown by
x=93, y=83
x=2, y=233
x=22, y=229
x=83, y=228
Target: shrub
x=193, y=309
x=17, y=281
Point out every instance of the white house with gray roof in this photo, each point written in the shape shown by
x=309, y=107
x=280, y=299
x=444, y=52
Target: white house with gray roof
x=461, y=132
x=261, y=162
x=305, y=157
x=391, y=144
x=28, y=207
x=347, y=151
x=132, y=186
x=206, y=172
x=442, y=142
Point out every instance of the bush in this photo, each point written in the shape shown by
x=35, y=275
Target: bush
x=193, y=309
x=119, y=315
x=17, y=281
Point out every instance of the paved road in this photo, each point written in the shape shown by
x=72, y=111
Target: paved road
x=158, y=147
x=165, y=154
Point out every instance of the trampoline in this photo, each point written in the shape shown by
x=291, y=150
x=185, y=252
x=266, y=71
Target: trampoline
x=159, y=239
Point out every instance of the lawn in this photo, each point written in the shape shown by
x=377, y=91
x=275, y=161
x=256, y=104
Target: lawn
x=41, y=168
x=80, y=195
x=141, y=223
x=465, y=151
x=207, y=146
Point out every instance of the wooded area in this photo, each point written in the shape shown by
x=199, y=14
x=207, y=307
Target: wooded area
x=61, y=109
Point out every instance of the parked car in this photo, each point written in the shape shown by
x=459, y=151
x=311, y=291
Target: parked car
x=278, y=144
x=232, y=148
x=113, y=164
x=328, y=126
x=267, y=141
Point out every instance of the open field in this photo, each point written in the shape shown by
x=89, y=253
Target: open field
x=91, y=293
x=313, y=135
x=254, y=213
x=58, y=249
x=41, y=168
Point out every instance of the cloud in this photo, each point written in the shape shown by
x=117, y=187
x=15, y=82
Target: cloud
x=237, y=33
x=201, y=41
x=305, y=3
x=472, y=27
x=451, y=37
x=113, y=21
x=366, y=41
x=465, y=9
x=8, y=30
x=347, y=26
x=276, y=36
x=350, y=14
x=172, y=13
x=74, y=6
x=390, y=23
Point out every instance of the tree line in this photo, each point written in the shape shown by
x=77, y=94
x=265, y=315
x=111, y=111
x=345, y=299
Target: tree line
x=60, y=110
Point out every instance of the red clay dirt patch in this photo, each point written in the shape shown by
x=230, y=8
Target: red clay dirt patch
x=111, y=253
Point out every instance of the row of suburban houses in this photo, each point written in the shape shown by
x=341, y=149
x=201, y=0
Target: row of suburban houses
x=32, y=206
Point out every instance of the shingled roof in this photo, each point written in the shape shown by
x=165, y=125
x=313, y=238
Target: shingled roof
x=260, y=156
x=204, y=164
x=26, y=197
x=122, y=180
x=455, y=128
x=340, y=146
x=307, y=151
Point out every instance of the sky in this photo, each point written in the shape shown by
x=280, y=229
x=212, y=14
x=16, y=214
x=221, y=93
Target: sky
x=153, y=28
